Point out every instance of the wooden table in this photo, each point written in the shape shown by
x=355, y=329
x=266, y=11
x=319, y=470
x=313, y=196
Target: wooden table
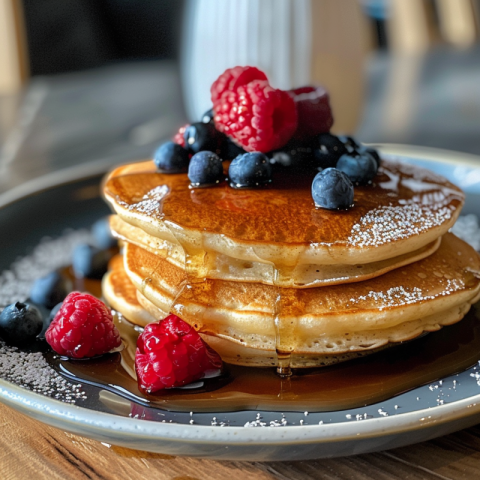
x=29, y=449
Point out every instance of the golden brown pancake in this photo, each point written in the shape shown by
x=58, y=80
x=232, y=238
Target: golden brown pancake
x=405, y=209
x=234, y=263
x=327, y=321
x=224, y=267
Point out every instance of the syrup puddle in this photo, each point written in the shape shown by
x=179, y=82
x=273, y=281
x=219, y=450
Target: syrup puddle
x=347, y=385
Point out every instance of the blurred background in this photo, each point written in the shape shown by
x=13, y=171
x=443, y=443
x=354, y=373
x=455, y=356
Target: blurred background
x=92, y=83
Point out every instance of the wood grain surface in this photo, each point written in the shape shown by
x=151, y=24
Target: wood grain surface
x=32, y=450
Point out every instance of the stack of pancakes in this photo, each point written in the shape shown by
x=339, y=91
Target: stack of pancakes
x=263, y=275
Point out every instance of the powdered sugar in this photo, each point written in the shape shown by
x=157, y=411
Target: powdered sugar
x=150, y=203
x=396, y=222
x=48, y=255
x=31, y=370
x=398, y=296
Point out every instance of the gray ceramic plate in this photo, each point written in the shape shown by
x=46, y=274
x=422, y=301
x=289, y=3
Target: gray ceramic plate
x=71, y=199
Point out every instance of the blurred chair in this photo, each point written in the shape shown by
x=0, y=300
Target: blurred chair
x=14, y=69
x=457, y=20
x=414, y=26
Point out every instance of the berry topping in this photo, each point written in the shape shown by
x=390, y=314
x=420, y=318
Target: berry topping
x=360, y=168
x=202, y=136
x=230, y=150
x=314, y=112
x=250, y=170
x=171, y=158
x=83, y=327
x=49, y=290
x=205, y=169
x=20, y=323
x=103, y=235
x=332, y=189
x=327, y=150
x=232, y=78
x=48, y=318
x=170, y=353
x=372, y=152
x=90, y=262
x=207, y=117
x=257, y=116
x=350, y=143
x=296, y=153
x=179, y=136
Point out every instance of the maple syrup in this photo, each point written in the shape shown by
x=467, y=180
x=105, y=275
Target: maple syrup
x=352, y=384
x=355, y=383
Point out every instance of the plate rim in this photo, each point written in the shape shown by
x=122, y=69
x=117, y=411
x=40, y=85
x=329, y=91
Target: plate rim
x=48, y=409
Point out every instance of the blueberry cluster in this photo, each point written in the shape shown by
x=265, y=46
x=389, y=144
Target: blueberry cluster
x=22, y=323
x=205, y=148
x=342, y=163
x=202, y=156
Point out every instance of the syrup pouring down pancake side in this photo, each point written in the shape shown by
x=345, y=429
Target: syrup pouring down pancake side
x=269, y=279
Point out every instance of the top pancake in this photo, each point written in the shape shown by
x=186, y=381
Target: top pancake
x=406, y=208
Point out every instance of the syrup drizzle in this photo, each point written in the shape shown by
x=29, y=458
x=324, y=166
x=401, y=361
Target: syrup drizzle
x=347, y=385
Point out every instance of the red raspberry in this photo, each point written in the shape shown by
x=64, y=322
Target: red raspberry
x=232, y=78
x=259, y=117
x=170, y=353
x=178, y=137
x=314, y=112
x=83, y=327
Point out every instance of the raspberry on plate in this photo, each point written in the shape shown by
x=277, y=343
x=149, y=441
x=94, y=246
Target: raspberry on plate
x=232, y=78
x=83, y=327
x=171, y=353
x=314, y=112
x=257, y=116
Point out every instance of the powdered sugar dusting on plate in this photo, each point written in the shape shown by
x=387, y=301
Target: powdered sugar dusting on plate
x=30, y=369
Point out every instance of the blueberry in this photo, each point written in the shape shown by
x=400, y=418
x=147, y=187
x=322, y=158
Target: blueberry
x=205, y=169
x=20, y=323
x=207, y=117
x=332, y=189
x=250, y=170
x=50, y=289
x=360, y=168
x=350, y=143
x=294, y=154
x=372, y=152
x=102, y=234
x=90, y=262
x=54, y=311
x=171, y=158
x=47, y=320
x=327, y=150
x=230, y=150
x=47, y=316
x=202, y=136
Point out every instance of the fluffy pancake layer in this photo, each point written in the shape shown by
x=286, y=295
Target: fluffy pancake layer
x=328, y=322
x=406, y=209
x=223, y=267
